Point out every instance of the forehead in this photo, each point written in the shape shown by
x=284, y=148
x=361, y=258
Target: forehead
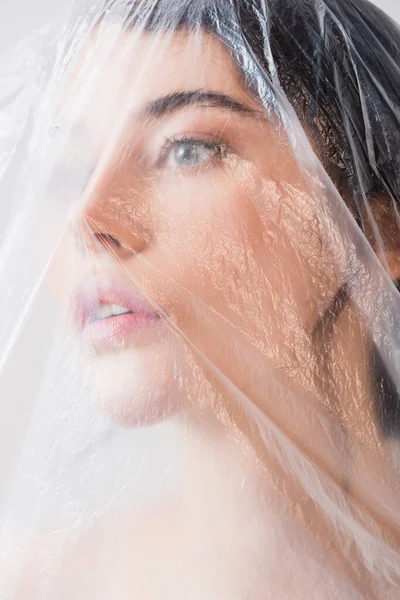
x=115, y=64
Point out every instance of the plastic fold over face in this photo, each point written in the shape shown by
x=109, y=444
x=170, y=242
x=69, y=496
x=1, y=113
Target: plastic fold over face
x=199, y=313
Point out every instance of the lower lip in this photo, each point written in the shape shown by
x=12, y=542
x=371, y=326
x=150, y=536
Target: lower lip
x=115, y=330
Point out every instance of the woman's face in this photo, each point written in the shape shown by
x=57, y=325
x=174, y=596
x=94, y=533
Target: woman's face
x=198, y=253
x=202, y=286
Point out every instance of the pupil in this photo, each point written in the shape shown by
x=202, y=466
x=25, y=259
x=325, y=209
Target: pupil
x=187, y=153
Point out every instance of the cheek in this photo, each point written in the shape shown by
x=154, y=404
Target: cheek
x=235, y=266
x=206, y=227
x=245, y=246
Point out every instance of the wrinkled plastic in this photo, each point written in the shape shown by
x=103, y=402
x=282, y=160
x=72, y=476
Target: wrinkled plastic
x=200, y=321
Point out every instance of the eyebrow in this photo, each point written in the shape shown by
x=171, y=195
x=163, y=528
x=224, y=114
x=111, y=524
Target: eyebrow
x=172, y=102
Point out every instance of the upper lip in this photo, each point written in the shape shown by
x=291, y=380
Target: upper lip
x=89, y=299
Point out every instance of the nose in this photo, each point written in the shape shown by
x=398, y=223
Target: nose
x=117, y=213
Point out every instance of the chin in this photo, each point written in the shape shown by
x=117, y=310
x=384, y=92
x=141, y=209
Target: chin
x=138, y=388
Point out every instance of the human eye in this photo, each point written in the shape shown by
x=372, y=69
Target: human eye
x=189, y=152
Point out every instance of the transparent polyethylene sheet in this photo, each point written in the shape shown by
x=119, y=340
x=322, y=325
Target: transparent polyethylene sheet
x=199, y=305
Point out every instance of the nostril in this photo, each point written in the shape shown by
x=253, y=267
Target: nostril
x=106, y=239
x=114, y=246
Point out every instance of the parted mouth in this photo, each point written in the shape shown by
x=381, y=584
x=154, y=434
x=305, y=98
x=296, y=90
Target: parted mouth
x=107, y=309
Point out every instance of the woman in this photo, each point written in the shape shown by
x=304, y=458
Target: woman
x=216, y=281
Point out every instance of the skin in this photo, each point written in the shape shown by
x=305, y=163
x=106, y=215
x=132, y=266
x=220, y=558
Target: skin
x=201, y=242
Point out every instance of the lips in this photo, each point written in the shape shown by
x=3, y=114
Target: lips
x=109, y=314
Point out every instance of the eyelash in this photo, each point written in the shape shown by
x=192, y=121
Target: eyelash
x=221, y=150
